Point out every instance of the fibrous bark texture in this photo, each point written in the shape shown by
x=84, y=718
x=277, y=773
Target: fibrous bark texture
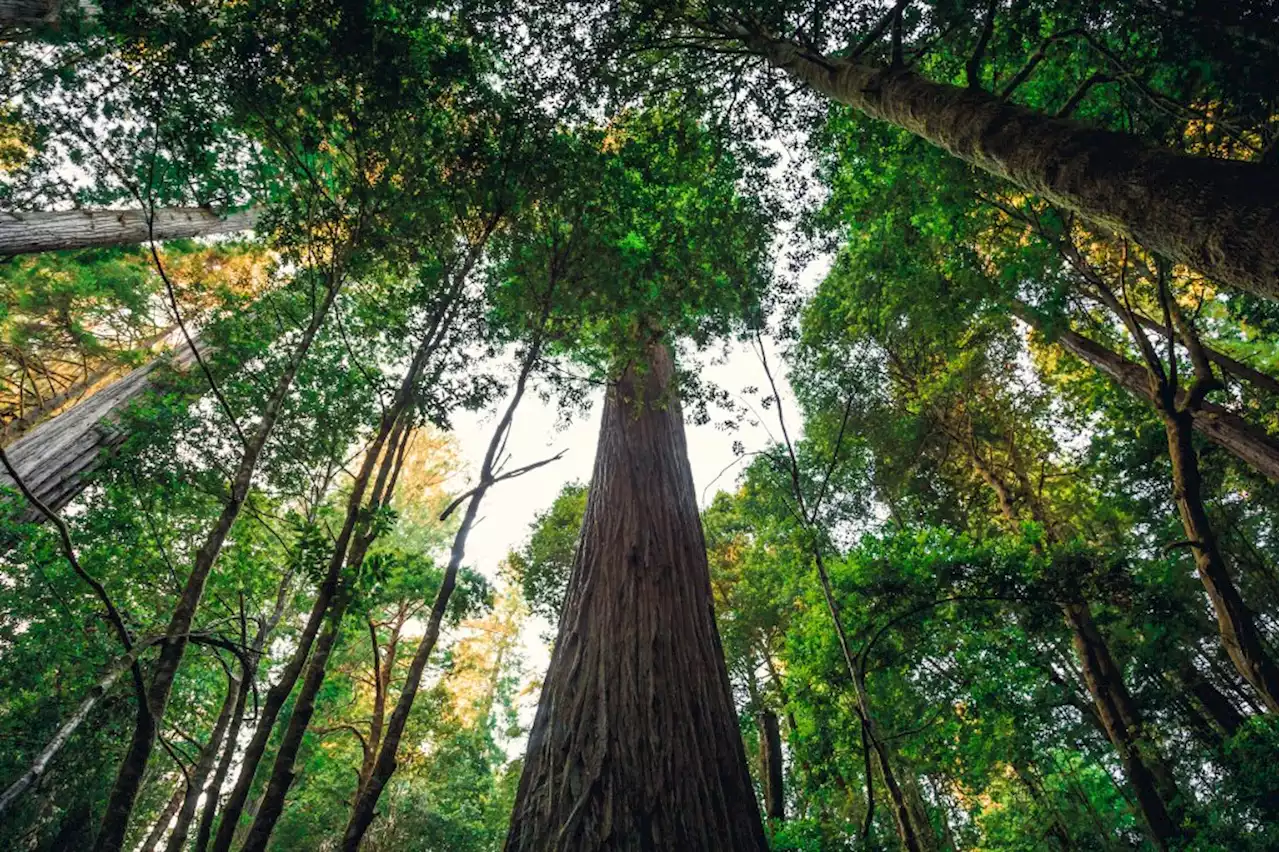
x=55, y=458
x=1216, y=216
x=635, y=745
x=28, y=233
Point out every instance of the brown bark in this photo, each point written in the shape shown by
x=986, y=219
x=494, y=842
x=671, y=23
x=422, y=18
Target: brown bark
x=635, y=745
x=120, y=806
x=1240, y=636
x=1157, y=793
x=775, y=803
x=1225, y=428
x=1216, y=216
x=28, y=233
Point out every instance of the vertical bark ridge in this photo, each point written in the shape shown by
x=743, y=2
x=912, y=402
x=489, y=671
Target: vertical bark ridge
x=635, y=745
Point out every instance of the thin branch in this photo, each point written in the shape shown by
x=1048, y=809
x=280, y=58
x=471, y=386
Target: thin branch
x=973, y=68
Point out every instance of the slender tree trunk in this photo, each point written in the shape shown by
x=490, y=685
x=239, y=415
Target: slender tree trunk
x=27, y=233
x=205, y=827
x=329, y=588
x=1157, y=792
x=40, y=765
x=635, y=745
x=1225, y=428
x=775, y=803
x=282, y=774
x=384, y=766
x=166, y=816
x=1216, y=216
x=120, y=806
x=1240, y=636
x=1220, y=709
x=204, y=765
x=1057, y=829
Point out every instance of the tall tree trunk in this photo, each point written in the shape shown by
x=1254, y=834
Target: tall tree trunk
x=1144, y=766
x=1157, y=792
x=28, y=233
x=152, y=841
x=775, y=803
x=279, y=693
x=1240, y=635
x=384, y=766
x=205, y=764
x=1217, y=216
x=120, y=806
x=1225, y=428
x=55, y=458
x=635, y=745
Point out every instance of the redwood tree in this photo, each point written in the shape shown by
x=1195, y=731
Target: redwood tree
x=636, y=745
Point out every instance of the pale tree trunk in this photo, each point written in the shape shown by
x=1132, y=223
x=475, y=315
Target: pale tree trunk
x=40, y=765
x=635, y=745
x=29, y=233
x=124, y=793
x=1217, y=216
x=56, y=457
x=384, y=765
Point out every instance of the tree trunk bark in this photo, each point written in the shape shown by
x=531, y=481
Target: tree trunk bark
x=1240, y=636
x=1225, y=428
x=120, y=806
x=56, y=457
x=775, y=803
x=166, y=816
x=635, y=745
x=28, y=233
x=1217, y=216
x=1157, y=792
x=204, y=766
